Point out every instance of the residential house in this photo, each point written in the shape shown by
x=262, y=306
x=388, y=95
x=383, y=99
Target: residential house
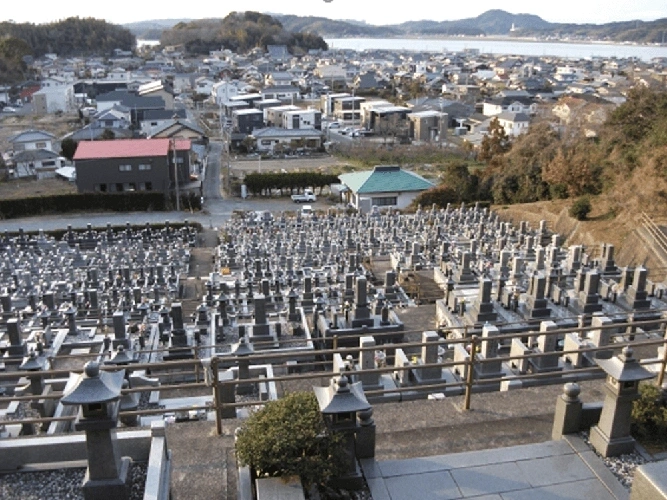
x=512, y=104
x=204, y=85
x=113, y=118
x=513, y=123
x=55, y=99
x=32, y=140
x=138, y=105
x=246, y=120
x=223, y=91
x=285, y=93
x=428, y=126
x=348, y=109
x=158, y=88
x=386, y=186
x=273, y=116
x=278, y=52
x=155, y=118
x=327, y=102
x=302, y=119
x=132, y=165
x=179, y=129
x=272, y=139
x=36, y=163
x=366, y=81
x=279, y=79
x=331, y=73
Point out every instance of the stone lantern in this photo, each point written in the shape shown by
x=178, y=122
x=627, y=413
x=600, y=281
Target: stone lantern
x=611, y=437
x=98, y=393
x=339, y=403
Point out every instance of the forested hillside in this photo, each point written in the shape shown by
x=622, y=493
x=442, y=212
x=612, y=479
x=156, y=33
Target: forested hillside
x=71, y=37
x=239, y=32
x=625, y=163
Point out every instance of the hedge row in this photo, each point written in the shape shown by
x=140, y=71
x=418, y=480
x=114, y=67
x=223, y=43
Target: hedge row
x=93, y=202
x=264, y=183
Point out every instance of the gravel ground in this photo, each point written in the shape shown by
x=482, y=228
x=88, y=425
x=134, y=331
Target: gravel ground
x=623, y=466
x=61, y=484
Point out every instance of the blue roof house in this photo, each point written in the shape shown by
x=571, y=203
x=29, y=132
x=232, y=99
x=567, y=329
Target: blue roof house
x=386, y=186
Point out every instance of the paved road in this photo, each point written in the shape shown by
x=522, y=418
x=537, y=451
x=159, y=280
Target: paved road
x=217, y=208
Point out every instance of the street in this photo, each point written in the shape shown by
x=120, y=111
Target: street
x=217, y=208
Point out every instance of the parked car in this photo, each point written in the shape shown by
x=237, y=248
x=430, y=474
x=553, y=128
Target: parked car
x=8, y=109
x=334, y=125
x=306, y=197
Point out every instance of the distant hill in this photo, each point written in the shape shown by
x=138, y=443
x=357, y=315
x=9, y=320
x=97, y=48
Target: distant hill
x=491, y=23
x=240, y=32
x=152, y=29
x=73, y=36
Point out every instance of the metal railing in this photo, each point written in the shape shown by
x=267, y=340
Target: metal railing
x=467, y=385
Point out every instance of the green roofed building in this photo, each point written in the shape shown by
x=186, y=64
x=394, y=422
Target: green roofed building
x=386, y=186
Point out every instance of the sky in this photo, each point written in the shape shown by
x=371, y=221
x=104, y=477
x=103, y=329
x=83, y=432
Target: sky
x=372, y=12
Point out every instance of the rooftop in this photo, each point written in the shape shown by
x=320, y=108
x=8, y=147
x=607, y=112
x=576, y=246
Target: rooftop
x=127, y=148
x=385, y=179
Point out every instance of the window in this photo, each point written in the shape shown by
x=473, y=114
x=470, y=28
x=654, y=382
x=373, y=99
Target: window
x=145, y=166
x=149, y=186
x=49, y=163
x=119, y=187
x=129, y=186
x=101, y=188
x=266, y=142
x=40, y=145
x=125, y=168
x=384, y=202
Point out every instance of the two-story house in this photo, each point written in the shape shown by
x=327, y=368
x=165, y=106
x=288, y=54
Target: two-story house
x=132, y=165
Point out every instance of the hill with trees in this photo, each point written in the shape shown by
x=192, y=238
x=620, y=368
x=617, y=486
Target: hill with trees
x=623, y=166
x=13, y=68
x=70, y=37
x=493, y=22
x=239, y=32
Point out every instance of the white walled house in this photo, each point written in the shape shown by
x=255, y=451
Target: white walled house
x=495, y=107
x=514, y=123
x=302, y=119
x=33, y=140
x=50, y=100
x=223, y=91
x=36, y=163
x=386, y=186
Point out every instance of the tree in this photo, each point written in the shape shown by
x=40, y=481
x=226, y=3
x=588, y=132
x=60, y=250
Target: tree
x=289, y=437
x=107, y=135
x=581, y=208
x=495, y=143
x=68, y=148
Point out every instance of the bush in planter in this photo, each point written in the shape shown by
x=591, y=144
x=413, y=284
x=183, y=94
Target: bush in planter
x=288, y=437
x=649, y=415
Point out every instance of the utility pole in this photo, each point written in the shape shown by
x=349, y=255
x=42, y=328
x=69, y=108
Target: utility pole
x=178, y=193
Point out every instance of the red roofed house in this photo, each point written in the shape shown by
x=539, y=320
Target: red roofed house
x=132, y=165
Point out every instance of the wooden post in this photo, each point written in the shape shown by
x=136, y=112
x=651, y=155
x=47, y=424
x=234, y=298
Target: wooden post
x=469, y=374
x=216, y=396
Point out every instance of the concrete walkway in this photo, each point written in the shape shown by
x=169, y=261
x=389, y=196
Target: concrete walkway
x=553, y=470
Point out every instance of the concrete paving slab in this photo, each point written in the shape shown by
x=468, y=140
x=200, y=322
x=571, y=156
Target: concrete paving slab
x=378, y=488
x=588, y=489
x=496, y=478
x=428, y=486
x=604, y=475
x=420, y=465
x=555, y=470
